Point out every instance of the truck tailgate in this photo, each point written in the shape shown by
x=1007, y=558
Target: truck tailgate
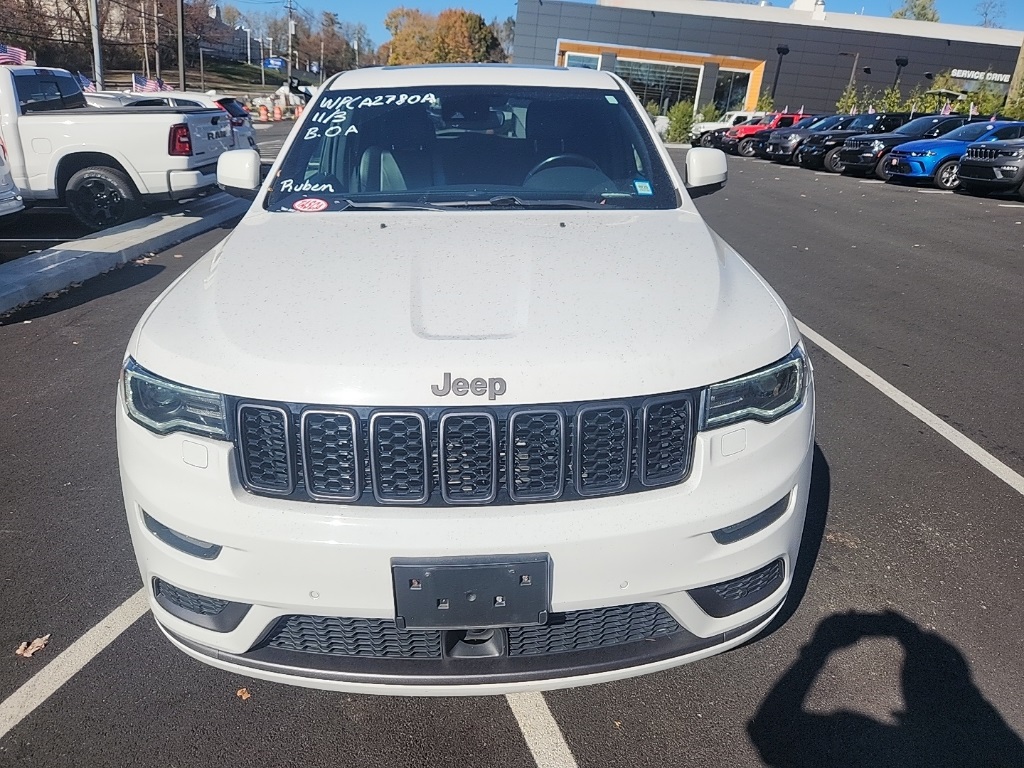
x=211, y=133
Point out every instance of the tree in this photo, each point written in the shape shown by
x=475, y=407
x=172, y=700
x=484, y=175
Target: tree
x=991, y=12
x=461, y=37
x=506, y=32
x=919, y=10
x=412, y=36
x=680, y=120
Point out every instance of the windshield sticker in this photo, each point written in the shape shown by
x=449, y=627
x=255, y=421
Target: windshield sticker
x=289, y=185
x=310, y=205
x=611, y=99
x=643, y=187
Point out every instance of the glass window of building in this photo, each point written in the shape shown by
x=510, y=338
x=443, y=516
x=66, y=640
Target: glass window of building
x=731, y=90
x=584, y=60
x=664, y=84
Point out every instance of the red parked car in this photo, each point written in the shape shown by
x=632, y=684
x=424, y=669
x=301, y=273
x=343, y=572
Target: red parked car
x=739, y=138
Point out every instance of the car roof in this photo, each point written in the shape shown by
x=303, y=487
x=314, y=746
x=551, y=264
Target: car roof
x=427, y=75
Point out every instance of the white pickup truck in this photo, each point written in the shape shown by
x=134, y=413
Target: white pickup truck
x=103, y=164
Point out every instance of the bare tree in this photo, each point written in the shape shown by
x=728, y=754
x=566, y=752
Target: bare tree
x=991, y=12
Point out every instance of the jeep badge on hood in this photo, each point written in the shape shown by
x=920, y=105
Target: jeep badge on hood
x=493, y=388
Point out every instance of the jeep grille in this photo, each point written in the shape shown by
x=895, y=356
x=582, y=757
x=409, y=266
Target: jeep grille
x=441, y=456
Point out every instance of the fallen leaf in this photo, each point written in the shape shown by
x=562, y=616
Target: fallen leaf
x=27, y=649
x=618, y=723
x=178, y=255
x=243, y=694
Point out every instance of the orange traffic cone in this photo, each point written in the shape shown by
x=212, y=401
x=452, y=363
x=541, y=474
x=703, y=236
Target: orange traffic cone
x=298, y=111
x=264, y=114
x=277, y=113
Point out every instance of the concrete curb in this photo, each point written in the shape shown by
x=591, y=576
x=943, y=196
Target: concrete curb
x=32, y=277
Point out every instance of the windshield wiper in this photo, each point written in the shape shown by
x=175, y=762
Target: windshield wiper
x=512, y=201
x=387, y=205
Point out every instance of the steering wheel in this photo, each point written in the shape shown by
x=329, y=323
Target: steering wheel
x=570, y=158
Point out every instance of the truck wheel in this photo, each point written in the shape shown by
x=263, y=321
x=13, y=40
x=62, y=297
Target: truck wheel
x=102, y=197
x=946, y=176
x=746, y=148
x=832, y=162
x=882, y=168
x=705, y=139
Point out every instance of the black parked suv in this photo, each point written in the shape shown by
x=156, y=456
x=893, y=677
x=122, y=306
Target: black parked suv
x=993, y=166
x=784, y=143
x=821, y=150
x=867, y=154
x=761, y=139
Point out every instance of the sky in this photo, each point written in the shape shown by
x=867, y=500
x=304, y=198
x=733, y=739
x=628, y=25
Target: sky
x=372, y=12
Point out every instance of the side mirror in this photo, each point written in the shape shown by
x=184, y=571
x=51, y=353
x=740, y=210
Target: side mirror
x=706, y=170
x=238, y=173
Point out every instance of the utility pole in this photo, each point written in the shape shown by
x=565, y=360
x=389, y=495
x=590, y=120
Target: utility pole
x=181, y=44
x=291, y=32
x=145, y=44
x=202, y=69
x=263, y=71
x=97, y=58
x=156, y=38
x=321, y=65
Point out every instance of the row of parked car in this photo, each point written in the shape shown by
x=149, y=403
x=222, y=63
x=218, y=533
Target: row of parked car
x=979, y=155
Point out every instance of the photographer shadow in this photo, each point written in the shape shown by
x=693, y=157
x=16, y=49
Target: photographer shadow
x=946, y=720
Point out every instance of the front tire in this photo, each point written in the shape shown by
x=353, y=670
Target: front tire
x=832, y=162
x=746, y=148
x=102, y=197
x=946, y=176
x=882, y=168
x=705, y=140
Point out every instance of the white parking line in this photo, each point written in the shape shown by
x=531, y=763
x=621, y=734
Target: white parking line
x=539, y=728
x=871, y=181
x=1010, y=205
x=69, y=662
x=960, y=440
x=933, y=191
x=542, y=734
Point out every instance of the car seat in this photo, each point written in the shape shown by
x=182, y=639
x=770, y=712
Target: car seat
x=400, y=152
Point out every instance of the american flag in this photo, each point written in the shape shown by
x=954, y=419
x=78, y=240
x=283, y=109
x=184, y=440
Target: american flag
x=871, y=109
x=88, y=86
x=947, y=109
x=973, y=112
x=148, y=84
x=11, y=55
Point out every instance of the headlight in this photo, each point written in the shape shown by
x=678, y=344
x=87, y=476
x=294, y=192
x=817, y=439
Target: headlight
x=793, y=137
x=929, y=153
x=877, y=145
x=1012, y=153
x=765, y=395
x=164, y=407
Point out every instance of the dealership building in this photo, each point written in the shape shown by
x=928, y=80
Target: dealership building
x=702, y=50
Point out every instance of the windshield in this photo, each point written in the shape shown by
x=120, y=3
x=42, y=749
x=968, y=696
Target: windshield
x=970, y=132
x=767, y=119
x=918, y=127
x=806, y=122
x=863, y=122
x=828, y=122
x=459, y=146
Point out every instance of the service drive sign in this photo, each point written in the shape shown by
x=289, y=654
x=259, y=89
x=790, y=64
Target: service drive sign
x=972, y=74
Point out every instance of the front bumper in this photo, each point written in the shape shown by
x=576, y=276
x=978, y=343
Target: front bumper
x=909, y=167
x=992, y=175
x=288, y=558
x=777, y=150
x=813, y=155
x=729, y=144
x=859, y=160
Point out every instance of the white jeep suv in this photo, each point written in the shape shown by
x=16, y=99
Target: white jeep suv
x=471, y=401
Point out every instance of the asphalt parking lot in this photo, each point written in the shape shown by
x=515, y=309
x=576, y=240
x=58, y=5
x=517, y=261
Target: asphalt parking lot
x=901, y=644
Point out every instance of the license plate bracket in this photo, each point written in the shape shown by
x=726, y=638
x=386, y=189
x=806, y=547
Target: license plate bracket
x=472, y=592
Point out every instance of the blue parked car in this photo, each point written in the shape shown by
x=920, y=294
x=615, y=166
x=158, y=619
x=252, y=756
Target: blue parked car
x=936, y=160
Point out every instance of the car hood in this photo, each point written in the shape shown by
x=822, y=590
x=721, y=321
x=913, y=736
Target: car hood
x=887, y=138
x=939, y=145
x=365, y=308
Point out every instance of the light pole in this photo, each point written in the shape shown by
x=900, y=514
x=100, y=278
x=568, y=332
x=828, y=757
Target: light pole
x=181, y=45
x=248, y=43
x=853, y=71
x=782, y=50
x=263, y=71
x=156, y=38
x=901, y=62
